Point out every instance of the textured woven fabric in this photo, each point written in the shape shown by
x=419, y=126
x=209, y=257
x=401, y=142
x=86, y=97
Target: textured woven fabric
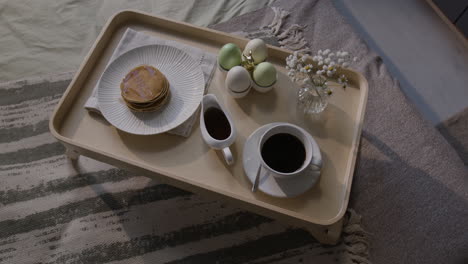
x=409, y=185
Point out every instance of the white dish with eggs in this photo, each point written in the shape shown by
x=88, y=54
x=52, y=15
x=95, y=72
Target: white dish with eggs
x=247, y=69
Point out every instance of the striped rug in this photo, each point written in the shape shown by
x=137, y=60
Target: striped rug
x=53, y=211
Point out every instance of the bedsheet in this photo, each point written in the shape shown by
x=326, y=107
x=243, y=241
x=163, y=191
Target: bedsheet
x=48, y=36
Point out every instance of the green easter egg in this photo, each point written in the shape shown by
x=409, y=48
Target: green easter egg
x=229, y=56
x=264, y=74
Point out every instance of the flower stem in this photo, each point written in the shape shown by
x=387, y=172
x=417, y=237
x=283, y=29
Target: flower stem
x=315, y=87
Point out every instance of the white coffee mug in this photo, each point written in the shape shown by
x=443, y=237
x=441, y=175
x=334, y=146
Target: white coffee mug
x=313, y=157
x=209, y=101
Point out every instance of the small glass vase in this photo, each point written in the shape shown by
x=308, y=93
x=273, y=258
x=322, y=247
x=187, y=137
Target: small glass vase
x=312, y=99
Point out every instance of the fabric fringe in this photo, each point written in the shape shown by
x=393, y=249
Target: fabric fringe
x=355, y=239
x=292, y=38
x=277, y=22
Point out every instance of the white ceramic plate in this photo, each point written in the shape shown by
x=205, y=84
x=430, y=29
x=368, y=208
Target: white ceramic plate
x=269, y=184
x=186, y=81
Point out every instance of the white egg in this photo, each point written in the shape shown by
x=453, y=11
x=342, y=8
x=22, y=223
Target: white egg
x=238, y=81
x=258, y=48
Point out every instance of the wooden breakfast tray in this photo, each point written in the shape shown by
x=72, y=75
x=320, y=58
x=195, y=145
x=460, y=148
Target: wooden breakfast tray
x=188, y=163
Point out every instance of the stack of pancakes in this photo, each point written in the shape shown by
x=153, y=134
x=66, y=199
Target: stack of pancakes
x=145, y=89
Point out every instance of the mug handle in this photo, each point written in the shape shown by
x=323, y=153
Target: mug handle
x=316, y=164
x=228, y=156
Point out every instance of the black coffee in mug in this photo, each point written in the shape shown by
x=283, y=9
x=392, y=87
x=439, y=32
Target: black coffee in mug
x=283, y=152
x=217, y=123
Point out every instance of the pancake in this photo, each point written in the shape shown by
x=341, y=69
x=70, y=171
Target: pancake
x=162, y=94
x=149, y=107
x=145, y=89
x=143, y=84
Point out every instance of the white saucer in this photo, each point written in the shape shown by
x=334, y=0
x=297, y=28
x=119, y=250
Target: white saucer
x=284, y=188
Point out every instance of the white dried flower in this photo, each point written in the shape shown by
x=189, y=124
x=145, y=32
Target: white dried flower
x=343, y=80
x=328, y=62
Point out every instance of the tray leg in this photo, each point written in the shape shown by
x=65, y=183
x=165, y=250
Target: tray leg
x=328, y=235
x=72, y=154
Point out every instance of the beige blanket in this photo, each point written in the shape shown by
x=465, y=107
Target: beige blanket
x=42, y=37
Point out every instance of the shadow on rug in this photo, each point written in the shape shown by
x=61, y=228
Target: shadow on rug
x=455, y=130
